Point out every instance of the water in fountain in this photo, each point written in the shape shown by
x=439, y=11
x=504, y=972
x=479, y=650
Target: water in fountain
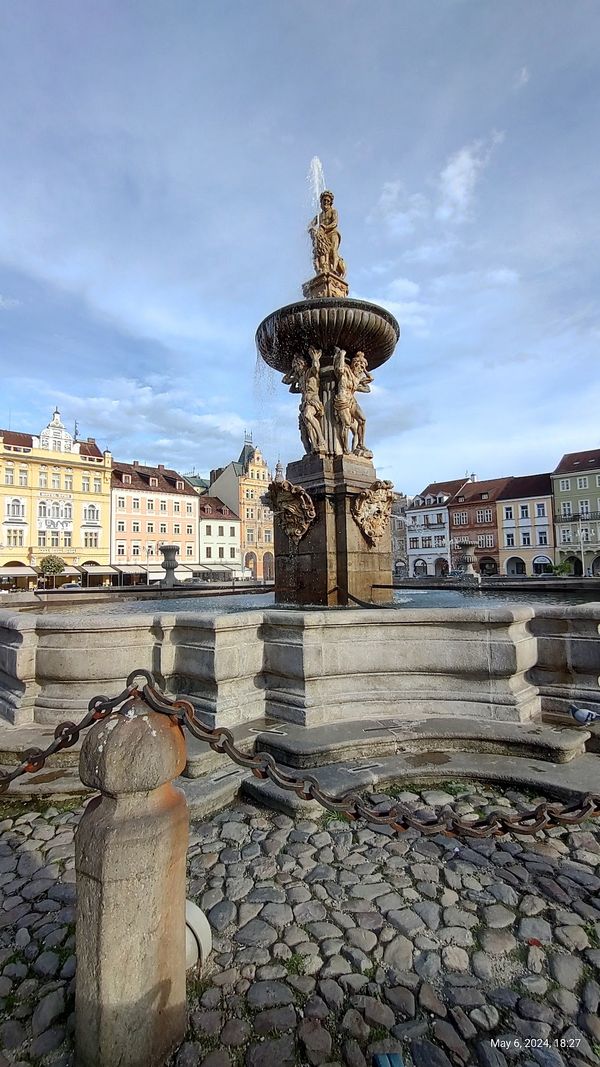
x=316, y=178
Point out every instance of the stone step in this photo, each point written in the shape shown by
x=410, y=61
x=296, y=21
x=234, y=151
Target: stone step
x=49, y=782
x=298, y=746
x=203, y=760
x=556, y=780
x=555, y=718
x=216, y=791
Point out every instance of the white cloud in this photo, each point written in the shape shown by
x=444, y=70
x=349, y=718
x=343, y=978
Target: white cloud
x=521, y=78
x=468, y=280
x=402, y=288
x=7, y=302
x=399, y=210
x=460, y=176
x=431, y=252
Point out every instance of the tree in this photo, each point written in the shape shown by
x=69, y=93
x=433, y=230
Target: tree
x=561, y=569
x=51, y=566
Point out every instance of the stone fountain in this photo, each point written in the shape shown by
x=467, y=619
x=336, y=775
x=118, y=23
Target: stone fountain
x=332, y=530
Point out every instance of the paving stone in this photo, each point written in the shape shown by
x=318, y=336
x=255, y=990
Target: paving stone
x=276, y=1052
x=275, y=1019
x=315, y=1040
x=355, y=1025
x=488, y=1056
x=399, y=953
x=47, y=1042
x=46, y=964
x=401, y=999
x=352, y=1054
x=12, y=1034
x=365, y=940
x=497, y=942
x=446, y=1035
x=486, y=1017
x=497, y=916
x=375, y=1013
x=257, y=933
x=270, y=994
x=207, y=1022
x=189, y=1055
x=455, y=959
x=49, y=1008
x=426, y=1054
x=535, y=929
x=429, y=1001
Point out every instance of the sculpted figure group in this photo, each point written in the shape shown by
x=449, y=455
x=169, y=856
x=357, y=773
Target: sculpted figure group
x=350, y=378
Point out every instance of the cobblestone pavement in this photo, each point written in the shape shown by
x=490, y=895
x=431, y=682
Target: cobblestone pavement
x=333, y=942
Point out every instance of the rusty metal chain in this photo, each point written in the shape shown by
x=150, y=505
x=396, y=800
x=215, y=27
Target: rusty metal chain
x=547, y=815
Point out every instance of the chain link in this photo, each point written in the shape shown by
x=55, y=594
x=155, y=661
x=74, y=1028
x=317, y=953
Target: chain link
x=547, y=815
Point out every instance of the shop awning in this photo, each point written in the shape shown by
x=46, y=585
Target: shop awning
x=18, y=572
x=74, y=572
x=130, y=568
x=102, y=568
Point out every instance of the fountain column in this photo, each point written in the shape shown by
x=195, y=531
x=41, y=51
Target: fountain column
x=332, y=513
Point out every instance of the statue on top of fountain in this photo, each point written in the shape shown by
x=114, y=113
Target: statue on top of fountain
x=330, y=268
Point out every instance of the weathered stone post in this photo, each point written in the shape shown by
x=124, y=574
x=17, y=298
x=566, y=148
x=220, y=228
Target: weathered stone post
x=130, y=855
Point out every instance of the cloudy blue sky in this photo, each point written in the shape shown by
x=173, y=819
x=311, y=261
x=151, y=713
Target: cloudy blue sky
x=154, y=202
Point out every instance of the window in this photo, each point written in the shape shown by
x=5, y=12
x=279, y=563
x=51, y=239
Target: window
x=55, y=511
x=153, y=482
x=189, y=550
x=69, y=482
x=510, y=540
x=90, y=540
x=565, y=485
x=268, y=537
x=56, y=481
x=439, y=518
x=120, y=549
x=179, y=485
x=163, y=505
x=149, y=550
x=135, y=550
x=121, y=526
x=250, y=536
x=126, y=479
x=542, y=537
x=525, y=538
x=54, y=539
x=176, y=507
x=149, y=527
x=460, y=518
x=439, y=541
x=149, y=505
x=176, y=528
x=598, y=479
x=43, y=479
x=15, y=509
x=14, y=538
x=189, y=529
x=209, y=531
x=221, y=530
x=232, y=531
x=120, y=501
x=585, y=533
x=42, y=539
x=163, y=527
x=135, y=527
x=584, y=508
x=565, y=509
x=23, y=477
x=135, y=503
x=565, y=536
x=232, y=553
x=91, y=514
x=9, y=476
x=540, y=511
x=508, y=512
x=66, y=540
x=582, y=483
x=483, y=515
x=249, y=513
x=67, y=511
x=97, y=485
x=85, y=483
x=209, y=552
x=189, y=509
x=426, y=542
x=413, y=542
x=485, y=541
x=524, y=511
x=221, y=553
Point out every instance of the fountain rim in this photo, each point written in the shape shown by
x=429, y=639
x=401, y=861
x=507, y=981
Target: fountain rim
x=265, y=333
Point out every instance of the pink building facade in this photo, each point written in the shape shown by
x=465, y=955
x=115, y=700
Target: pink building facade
x=151, y=506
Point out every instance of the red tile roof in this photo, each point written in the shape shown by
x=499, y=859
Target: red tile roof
x=23, y=440
x=471, y=491
x=577, y=462
x=140, y=479
x=443, y=488
x=215, y=507
x=527, y=486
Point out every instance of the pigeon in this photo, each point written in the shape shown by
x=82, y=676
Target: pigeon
x=584, y=716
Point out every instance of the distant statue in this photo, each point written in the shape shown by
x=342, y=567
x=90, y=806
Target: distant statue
x=326, y=239
x=351, y=378
x=303, y=378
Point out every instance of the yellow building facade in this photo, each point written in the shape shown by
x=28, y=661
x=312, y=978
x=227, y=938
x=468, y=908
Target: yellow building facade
x=55, y=499
x=242, y=485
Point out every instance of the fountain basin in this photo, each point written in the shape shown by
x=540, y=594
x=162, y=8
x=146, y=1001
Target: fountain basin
x=325, y=323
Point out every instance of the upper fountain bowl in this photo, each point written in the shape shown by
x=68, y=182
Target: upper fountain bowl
x=326, y=323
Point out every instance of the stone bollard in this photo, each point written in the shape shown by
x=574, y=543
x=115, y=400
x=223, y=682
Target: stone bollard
x=130, y=856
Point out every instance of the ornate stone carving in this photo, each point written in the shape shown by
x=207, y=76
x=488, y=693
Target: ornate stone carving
x=330, y=268
x=303, y=378
x=292, y=507
x=351, y=378
x=371, y=510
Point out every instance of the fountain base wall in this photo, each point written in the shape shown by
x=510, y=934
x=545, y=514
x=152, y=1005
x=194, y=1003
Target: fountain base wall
x=307, y=667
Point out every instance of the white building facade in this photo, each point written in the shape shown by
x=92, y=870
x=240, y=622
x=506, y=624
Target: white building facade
x=428, y=530
x=220, y=538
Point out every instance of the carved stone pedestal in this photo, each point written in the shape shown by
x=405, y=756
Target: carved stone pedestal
x=337, y=559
